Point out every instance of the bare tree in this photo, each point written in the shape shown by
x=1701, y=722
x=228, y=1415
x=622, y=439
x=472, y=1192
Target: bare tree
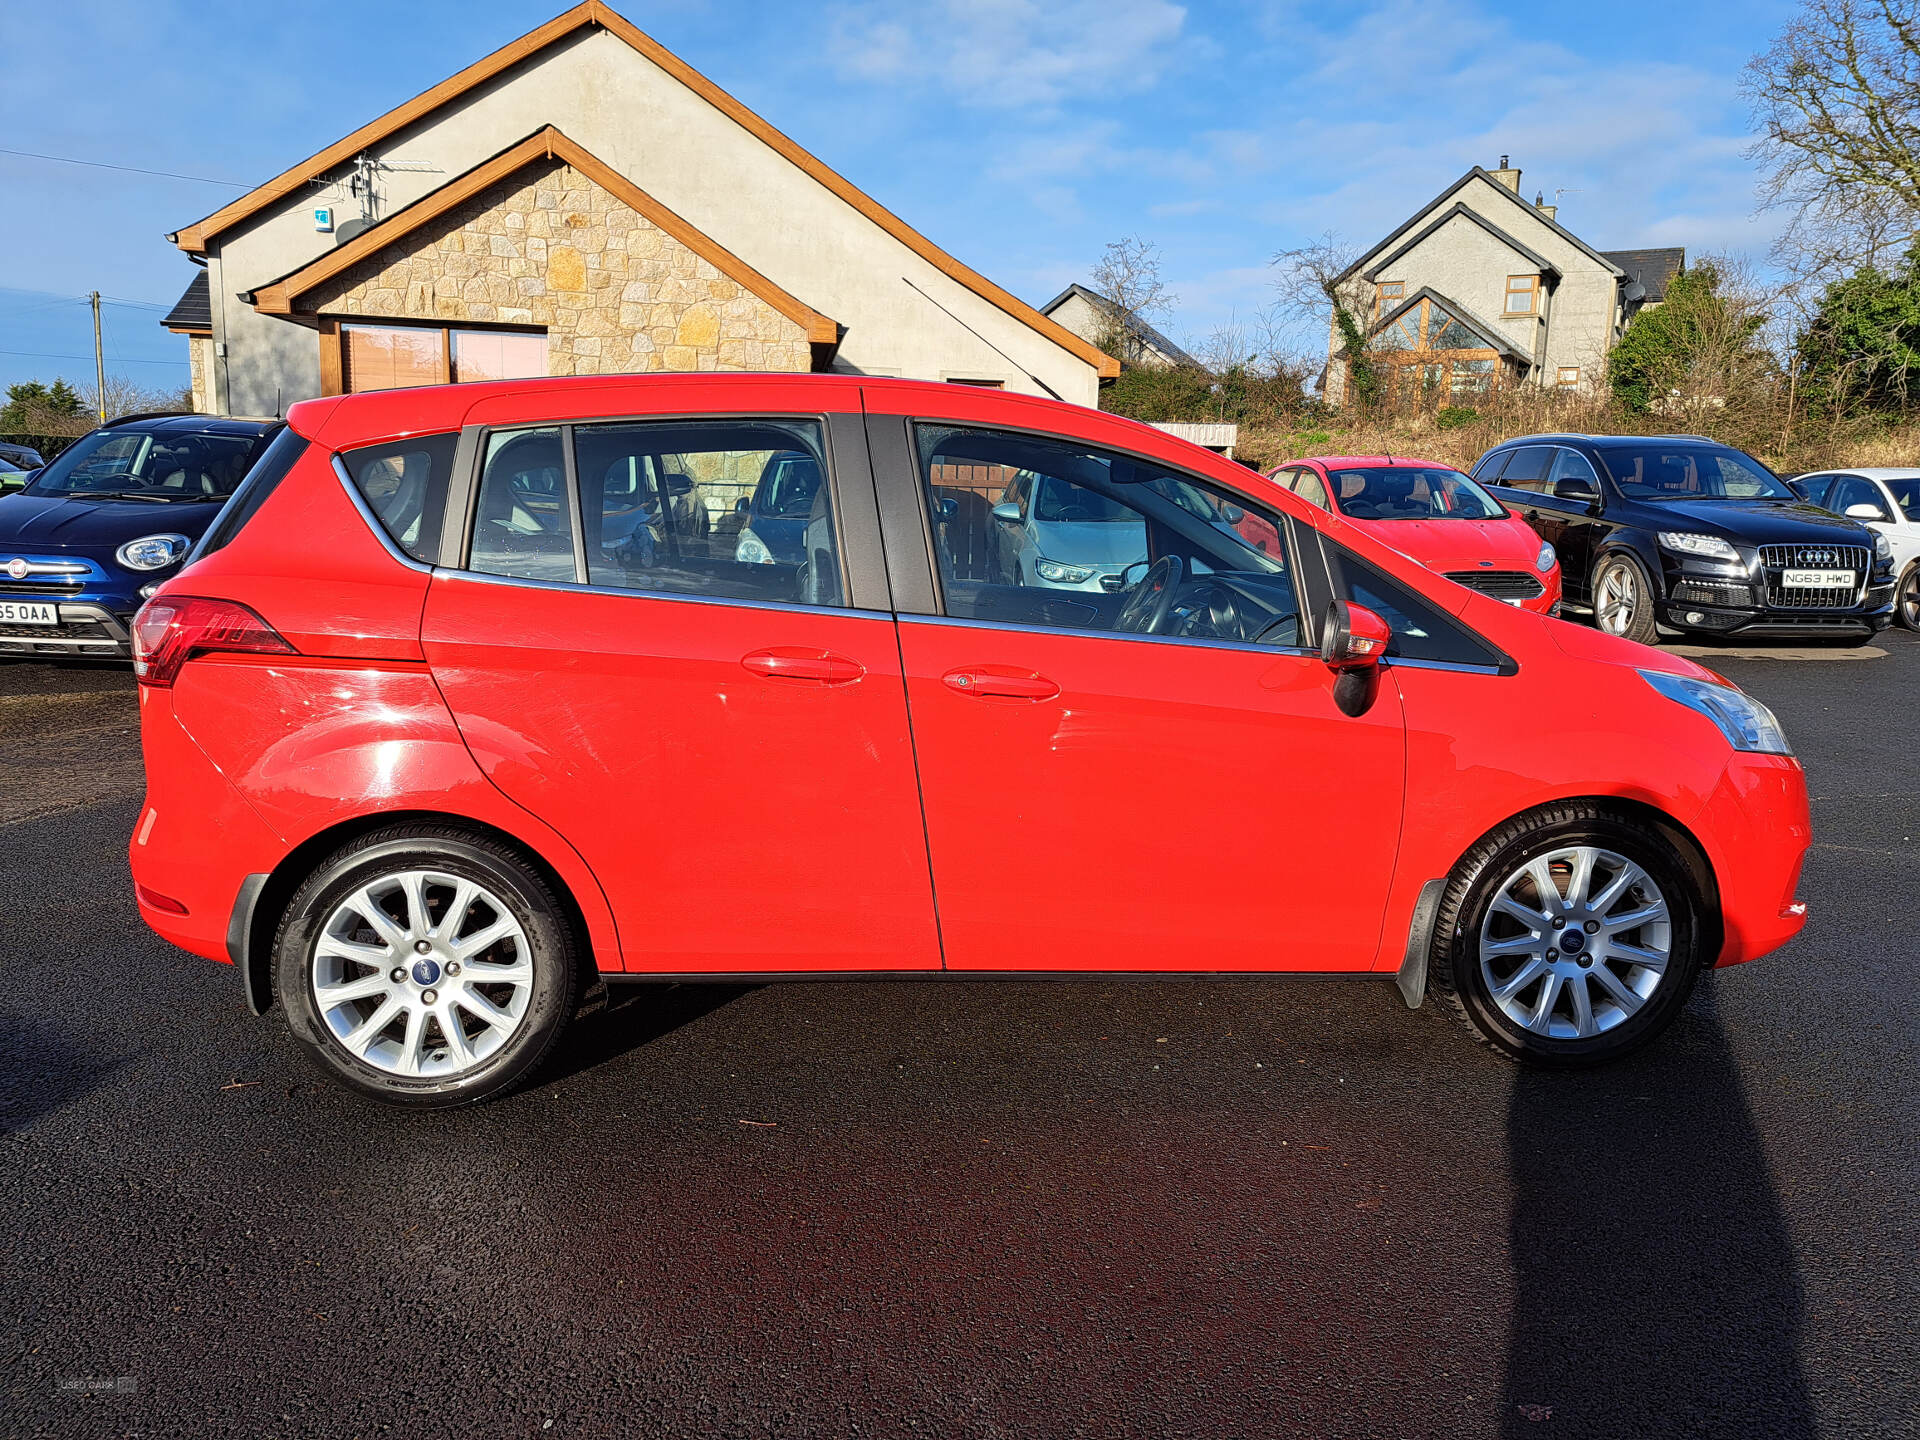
x=1837, y=101
x=1131, y=291
x=130, y=397
x=1318, y=285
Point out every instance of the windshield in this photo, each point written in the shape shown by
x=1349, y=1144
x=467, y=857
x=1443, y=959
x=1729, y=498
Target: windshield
x=1650, y=470
x=1058, y=502
x=1906, y=494
x=1407, y=492
x=793, y=482
x=179, y=466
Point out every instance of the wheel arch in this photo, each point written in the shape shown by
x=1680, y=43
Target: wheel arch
x=258, y=914
x=1641, y=812
x=1641, y=549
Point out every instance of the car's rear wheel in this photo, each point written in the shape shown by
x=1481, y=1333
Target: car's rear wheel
x=1623, y=600
x=1569, y=937
x=1906, y=599
x=425, y=966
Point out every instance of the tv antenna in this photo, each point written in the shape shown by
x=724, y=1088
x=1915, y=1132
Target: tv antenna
x=363, y=181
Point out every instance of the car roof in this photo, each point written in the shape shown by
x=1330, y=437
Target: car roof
x=1562, y=437
x=192, y=424
x=1378, y=462
x=1871, y=472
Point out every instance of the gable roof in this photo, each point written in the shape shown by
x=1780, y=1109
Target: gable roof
x=1653, y=270
x=281, y=296
x=1152, y=336
x=1489, y=333
x=194, y=238
x=1462, y=209
x=192, y=313
x=1477, y=173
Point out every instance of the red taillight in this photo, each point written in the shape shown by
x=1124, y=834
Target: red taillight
x=170, y=630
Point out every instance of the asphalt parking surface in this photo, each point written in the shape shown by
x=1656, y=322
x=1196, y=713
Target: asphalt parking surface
x=965, y=1209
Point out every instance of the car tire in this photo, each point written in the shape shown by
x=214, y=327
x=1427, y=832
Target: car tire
x=1630, y=613
x=1480, y=948
x=1906, y=598
x=448, y=1037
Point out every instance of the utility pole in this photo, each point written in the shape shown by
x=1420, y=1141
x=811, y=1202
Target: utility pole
x=99, y=361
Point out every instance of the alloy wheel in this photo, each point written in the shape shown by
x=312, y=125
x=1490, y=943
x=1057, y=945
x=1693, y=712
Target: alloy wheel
x=1907, y=603
x=1575, y=942
x=1617, y=602
x=422, y=974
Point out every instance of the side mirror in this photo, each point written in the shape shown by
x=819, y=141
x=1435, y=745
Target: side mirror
x=1865, y=511
x=1578, y=491
x=1354, y=638
x=1007, y=513
x=742, y=505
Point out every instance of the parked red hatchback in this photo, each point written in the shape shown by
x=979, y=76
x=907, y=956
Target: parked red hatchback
x=1437, y=515
x=470, y=695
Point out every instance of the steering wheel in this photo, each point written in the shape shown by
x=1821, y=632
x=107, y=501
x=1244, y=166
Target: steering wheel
x=1147, y=608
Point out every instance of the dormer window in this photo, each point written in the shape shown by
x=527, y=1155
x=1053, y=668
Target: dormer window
x=1523, y=294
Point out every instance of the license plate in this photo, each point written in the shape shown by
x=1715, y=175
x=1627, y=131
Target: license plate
x=28, y=612
x=1817, y=579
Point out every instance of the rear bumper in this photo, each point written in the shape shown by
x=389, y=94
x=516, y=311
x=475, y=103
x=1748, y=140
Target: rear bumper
x=1756, y=829
x=86, y=628
x=196, y=841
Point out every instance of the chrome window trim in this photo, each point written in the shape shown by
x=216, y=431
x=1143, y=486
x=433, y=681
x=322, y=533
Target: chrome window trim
x=373, y=521
x=794, y=607
x=1459, y=667
x=1193, y=641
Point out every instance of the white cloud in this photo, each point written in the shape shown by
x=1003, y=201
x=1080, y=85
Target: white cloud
x=1008, y=53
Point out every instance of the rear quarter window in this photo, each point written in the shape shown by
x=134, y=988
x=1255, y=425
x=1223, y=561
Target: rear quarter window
x=404, y=483
x=1526, y=468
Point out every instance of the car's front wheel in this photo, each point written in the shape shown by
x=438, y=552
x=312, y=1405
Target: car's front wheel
x=1570, y=936
x=1906, y=599
x=425, y=966
x=1623, y=600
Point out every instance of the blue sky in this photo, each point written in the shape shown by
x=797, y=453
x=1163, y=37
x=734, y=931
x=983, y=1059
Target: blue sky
x=1022, y=135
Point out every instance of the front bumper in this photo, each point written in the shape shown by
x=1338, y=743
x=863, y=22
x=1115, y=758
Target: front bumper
x=85, y=628
x=1747, y=598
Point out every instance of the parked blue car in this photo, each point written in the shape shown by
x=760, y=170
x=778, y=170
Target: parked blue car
x=109, y=518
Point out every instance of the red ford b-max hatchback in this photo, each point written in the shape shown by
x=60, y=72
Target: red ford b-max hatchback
x=471, y=694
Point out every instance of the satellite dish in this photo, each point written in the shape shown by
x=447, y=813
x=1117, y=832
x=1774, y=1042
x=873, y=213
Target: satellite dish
x=347, y=229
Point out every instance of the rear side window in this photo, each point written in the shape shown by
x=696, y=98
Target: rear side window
x=262, y=480
x=1421, y=630
x=404, y=483
x=1527, y=467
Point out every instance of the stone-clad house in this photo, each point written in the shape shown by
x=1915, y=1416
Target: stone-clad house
x=584, y=202
x=1479, y=289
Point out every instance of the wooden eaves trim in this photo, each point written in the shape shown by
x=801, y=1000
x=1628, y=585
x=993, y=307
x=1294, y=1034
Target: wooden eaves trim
x=282, y=296
x=194, y=238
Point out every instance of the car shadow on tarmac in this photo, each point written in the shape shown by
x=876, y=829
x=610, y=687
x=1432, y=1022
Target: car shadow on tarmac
x=634, y=1015
x=1656, y=1286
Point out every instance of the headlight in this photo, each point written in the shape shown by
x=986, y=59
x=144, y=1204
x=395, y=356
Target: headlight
x=1882, y=548
x=1747, y=724
x=1711, y=547
x=1056, y=573
x=1543, y=562
x=752, y=550
x=153, y=552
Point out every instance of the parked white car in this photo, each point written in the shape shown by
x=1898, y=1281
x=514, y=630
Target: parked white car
x=1886, y=501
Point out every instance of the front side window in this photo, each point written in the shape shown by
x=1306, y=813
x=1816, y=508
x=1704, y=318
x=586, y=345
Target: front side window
x=1854, y=490
x=1407, y=492
x=404, y=483
x=1574, y=477
x=650, y=491
x=1311, y=490
x=150, y=465
x=1906, y=494
x=1107, y=542
x=1651, y=470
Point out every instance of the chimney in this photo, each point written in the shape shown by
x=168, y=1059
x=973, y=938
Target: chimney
x=1540, y=204
x=1507, y=177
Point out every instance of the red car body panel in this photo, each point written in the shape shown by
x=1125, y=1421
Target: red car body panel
x=1133, y=806
x=1508, y=543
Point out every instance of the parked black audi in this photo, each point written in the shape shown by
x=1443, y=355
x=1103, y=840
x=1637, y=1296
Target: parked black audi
x=1682, y=531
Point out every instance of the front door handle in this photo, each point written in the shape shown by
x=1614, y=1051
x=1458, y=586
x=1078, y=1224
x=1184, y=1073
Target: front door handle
x=998, y=684
x=795, y=662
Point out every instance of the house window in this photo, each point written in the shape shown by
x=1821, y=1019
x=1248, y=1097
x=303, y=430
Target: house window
x=979, y=384
x=1569, y=377
x=1392, y=292
x=1523, y=292
x=392, y=357
x=1472, y=377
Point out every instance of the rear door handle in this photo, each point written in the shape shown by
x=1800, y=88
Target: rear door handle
x=795, y=662
x=992, y=684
